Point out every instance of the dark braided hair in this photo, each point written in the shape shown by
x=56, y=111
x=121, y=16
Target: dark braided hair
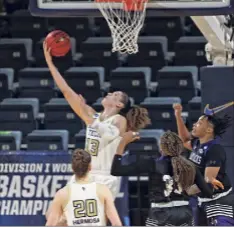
x=220, y=124
x=183, y=170
x=80, y=162
x=137, y=117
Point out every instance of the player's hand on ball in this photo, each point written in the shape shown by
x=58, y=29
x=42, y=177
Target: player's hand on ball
x=178, y=109
x=130, y=136
x=47, y=54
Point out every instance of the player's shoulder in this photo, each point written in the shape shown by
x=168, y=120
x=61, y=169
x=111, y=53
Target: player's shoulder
x=103, y=190
x=101, y=187
x=63, y=192
x=216, y=148
x=63, y=195
x=120, y=119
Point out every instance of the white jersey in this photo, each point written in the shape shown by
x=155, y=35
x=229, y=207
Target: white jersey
x=101, y=149
x=84, y=208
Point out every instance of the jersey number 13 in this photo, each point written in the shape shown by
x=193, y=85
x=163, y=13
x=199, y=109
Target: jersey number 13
x=92, y=146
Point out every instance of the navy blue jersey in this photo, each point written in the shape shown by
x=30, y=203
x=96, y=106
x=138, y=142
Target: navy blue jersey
x=162, y=187
x=210, y=154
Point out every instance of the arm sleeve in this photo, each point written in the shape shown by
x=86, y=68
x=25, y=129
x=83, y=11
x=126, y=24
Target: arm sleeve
x=206, y=188
x=215, y=156
x=132, y=169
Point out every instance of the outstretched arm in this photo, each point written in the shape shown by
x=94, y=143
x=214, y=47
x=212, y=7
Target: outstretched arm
x=76, y=101
x=182, y=129
x=118, y=169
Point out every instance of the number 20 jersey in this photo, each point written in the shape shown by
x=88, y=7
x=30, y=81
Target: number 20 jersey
x=84, y=207
x=101, y=149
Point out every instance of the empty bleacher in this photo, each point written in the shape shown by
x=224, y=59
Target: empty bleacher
x=34, y=114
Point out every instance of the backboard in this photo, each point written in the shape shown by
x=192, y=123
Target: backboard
x=69, y=8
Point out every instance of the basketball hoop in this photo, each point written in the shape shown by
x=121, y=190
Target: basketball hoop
x=125, y=19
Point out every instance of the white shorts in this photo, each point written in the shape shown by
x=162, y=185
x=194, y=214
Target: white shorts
x=112, y=182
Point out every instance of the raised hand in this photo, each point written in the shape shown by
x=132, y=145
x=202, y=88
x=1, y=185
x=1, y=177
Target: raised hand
x=178, y=109
x=130, y=136
x=47, y=54
x=217, y=184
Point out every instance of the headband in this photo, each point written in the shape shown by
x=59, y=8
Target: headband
x=211, y=112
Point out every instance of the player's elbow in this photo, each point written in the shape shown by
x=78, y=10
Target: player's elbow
x=117, y=223
x=118, y=172
x=115, y=172
x=116, y=168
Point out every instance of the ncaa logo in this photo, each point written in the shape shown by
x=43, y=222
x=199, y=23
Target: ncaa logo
x=96, y=115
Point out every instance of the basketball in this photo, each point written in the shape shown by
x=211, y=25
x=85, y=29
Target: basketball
x=59, y=42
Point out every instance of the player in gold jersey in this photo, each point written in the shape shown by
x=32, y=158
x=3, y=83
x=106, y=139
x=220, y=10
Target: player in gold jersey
x=83, y=203
x=104, y=130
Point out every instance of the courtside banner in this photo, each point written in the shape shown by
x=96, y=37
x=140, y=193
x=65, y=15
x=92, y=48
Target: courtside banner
x=29, y=181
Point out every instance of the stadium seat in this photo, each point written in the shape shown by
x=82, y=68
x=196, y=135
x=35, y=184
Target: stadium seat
x=78, y=28
x=24, y=25
x=59, y=115
x=51, y=140
x=36, y=83
x=149, y=141
x=161, y=112
x=190, y=28
x=10, y=140
x=4, y=25
x=15, y=53
x=136, y=81
x=189, y=50
x=79, y=139
x=96, y=51
x=178, y=81
x=6, y=82
x=87, y=81
x=19, y=114
x=170, y=27
x=102, y=28
x=152, y=53
x=62, y=63
x=194, y=110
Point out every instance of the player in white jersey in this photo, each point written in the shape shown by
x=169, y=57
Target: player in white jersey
x=104, y=130
x=84, y=203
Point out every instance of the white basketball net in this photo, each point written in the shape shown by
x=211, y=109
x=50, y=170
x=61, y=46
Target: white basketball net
x=124, y=24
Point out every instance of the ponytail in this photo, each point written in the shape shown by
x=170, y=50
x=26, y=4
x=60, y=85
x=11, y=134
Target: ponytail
x=137, y=117
x=183, y=171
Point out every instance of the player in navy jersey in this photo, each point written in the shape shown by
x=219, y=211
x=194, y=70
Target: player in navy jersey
x=169, y=178
x=210, y=157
